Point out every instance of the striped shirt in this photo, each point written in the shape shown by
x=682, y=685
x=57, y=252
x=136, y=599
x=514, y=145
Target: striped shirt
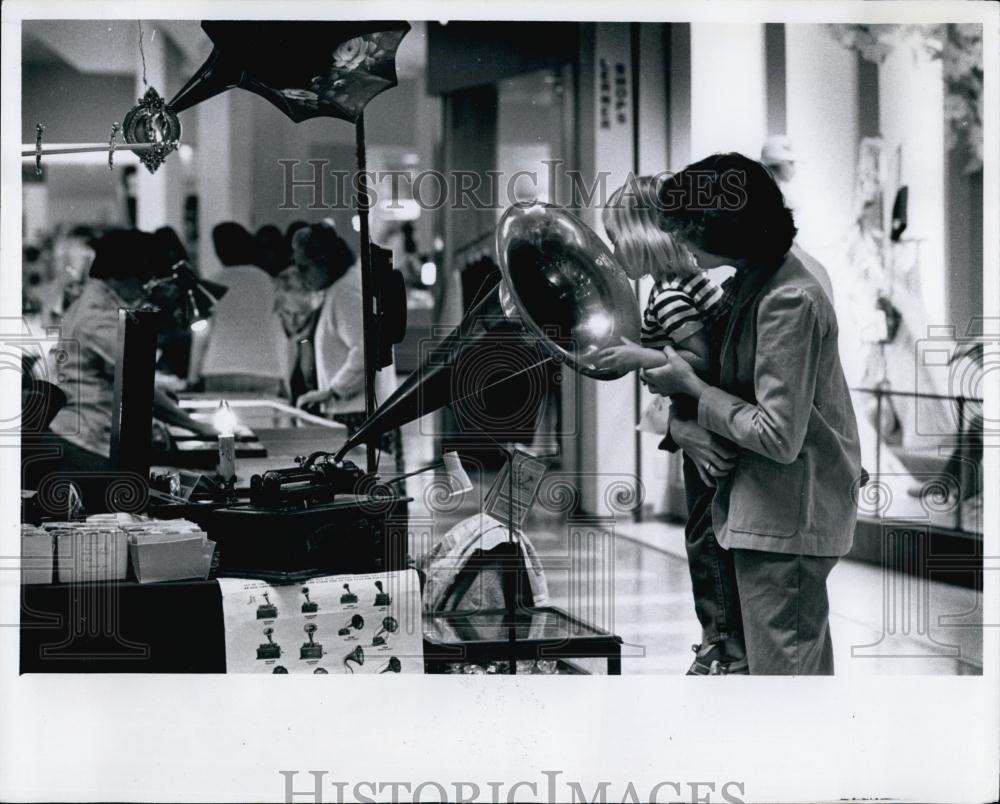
x=677, y=309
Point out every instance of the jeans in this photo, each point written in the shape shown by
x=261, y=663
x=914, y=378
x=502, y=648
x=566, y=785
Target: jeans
x=713, y=578
x=786, y=612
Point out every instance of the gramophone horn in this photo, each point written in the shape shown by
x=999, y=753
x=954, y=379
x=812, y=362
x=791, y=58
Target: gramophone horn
x=561, y=289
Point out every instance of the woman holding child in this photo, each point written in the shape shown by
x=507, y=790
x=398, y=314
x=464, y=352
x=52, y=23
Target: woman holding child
x=687, y=310
x=773, y=398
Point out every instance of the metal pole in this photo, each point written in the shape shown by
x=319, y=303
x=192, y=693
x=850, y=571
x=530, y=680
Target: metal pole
x=878, y=448
x=367, y=284
x=961, y=463
x=513, y=556
x=84, y=148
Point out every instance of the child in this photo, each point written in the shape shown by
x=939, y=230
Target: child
x=683, y=306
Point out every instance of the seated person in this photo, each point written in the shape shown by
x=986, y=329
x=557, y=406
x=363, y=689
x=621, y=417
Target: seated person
x=83, y=366
x=243, y=348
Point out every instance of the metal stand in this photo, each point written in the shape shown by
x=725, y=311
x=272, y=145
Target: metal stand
x=511, y=585
x=368, y=289
x=131, y=417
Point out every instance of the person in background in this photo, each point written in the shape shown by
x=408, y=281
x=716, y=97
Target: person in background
x=780, y=159
x=405, y=257
x=272, y=250
x=293, y=227
x=242, y=350
x=778, y=156
x=38, y=303
x=961, y=477
x=174, y=337
x=83, y=362
x=73, y=254
x=298, y=310
x=327, y=264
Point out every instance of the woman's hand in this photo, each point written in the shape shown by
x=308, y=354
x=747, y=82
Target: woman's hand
x=313, y=398
x=712, y=456
x=676, y=377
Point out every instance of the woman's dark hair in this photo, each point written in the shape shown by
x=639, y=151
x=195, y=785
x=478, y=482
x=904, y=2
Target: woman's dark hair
x=322, y=244
x=272, y=253
x=171, y=245
x=728, y=205
x=234, y=245
x=128, y=254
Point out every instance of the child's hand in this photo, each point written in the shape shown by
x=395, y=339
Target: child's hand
x=627, y=357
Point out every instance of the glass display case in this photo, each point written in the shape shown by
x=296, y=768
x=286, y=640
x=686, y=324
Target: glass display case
x=541, y=640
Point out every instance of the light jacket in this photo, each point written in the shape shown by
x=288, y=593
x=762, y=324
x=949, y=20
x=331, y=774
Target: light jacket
x=340, y=350
x=783, y=398
x=246, y=336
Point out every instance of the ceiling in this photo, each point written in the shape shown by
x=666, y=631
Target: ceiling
x=111, y=46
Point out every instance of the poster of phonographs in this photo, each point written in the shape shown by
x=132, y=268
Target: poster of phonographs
x=332, y=624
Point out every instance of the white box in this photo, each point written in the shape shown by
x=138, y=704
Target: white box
x=36, y=555
x=172, y=559
x=91, y=554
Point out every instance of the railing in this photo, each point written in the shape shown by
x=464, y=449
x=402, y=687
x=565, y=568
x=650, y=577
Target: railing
x=967, y=436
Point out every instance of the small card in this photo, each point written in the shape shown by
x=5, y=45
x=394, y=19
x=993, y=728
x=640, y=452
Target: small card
x=506, y=507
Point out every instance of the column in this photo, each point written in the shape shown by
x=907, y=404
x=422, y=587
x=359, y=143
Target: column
x=223, y=167
x=603, y=416
x=911, y=97
x=728, y=88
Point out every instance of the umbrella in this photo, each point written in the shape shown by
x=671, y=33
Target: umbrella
x=306, y=69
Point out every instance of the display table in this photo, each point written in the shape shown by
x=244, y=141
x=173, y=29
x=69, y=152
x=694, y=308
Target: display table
x=122, y=627
x=273, y=432
x=177, y=627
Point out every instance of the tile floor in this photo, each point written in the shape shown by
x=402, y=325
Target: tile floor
x=632, y=579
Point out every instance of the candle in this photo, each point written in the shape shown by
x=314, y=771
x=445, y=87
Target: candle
x=225, y=422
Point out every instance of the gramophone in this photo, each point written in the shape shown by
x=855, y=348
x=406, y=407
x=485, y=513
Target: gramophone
x=389, y=626
x=310, y=606
x=310, y=649
x=269, y=649
x=382, y=598
x=561, y=290
x=394, y=665
x=267, y=610
x=357, y=623
x=357, y=656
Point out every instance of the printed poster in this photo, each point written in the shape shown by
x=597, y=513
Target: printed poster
x=344, y=624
